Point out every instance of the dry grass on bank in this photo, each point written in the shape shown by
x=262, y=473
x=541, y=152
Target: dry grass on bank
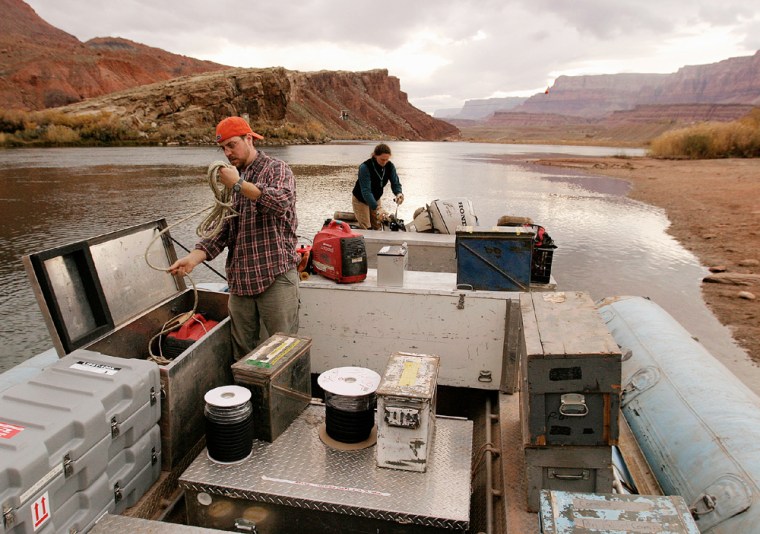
x=710, y=140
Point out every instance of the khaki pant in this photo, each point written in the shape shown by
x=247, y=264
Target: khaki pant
x=366, y=218
x=276, y=309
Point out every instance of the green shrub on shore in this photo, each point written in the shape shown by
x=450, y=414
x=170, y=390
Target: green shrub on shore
x=53, y=128
x=710, y=140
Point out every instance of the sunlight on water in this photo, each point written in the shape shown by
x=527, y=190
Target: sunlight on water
x=608, y=244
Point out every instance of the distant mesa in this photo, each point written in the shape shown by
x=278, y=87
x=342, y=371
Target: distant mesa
x=45, y=67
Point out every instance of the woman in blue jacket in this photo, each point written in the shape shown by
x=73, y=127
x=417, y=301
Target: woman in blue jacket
x=374, y=174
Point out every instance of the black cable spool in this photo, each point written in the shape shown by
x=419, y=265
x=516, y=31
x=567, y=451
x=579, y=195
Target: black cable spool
x=229, y=427
x=350, y=402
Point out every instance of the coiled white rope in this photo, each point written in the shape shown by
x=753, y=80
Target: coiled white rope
x=209, y=227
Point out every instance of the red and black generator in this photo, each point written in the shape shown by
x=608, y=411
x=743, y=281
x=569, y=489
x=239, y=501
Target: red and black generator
x=339, y=253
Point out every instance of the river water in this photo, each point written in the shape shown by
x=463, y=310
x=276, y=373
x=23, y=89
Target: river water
x=608, y=244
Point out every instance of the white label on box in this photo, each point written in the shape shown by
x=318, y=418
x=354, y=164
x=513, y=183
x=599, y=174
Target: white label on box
x=98, y=368
x=40, y=511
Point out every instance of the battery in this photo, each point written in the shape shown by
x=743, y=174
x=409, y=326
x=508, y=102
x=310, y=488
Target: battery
x=406, y=411
x=278, y=375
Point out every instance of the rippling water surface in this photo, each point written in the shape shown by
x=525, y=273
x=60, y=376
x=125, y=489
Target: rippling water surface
x=608, y=244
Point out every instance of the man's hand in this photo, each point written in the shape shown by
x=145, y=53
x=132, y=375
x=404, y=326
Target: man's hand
x=229, y=176
x=381, y=215
x=399, y=199
x=185, y=265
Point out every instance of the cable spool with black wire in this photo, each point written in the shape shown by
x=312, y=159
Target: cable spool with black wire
x=350, y=402
x=229, y=427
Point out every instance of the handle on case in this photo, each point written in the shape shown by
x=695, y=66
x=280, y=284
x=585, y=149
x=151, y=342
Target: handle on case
x=343, y=225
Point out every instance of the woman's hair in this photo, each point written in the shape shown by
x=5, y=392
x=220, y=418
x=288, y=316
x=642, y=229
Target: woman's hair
x=381, y=149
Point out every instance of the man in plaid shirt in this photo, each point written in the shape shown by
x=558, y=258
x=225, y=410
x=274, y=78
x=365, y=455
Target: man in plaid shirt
x=261, y=241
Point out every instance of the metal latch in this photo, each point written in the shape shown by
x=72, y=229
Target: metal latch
x=573, y=405
x=9, y=518
x=402, y=417
x=460, y=304
x=153, y=456
x=705, y=505
x=117, y=494
x=485, y=376
x=152, y=396
x=724, y=498
x=245, y=525
x=68, y=466
x=114, y=428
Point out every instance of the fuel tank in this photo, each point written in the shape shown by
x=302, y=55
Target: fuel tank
x=696, y=423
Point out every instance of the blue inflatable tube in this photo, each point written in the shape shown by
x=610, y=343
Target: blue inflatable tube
x=696, y=423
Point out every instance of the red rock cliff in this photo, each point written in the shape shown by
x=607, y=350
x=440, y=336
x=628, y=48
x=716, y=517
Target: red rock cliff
x=45, y=67
x=319, y=105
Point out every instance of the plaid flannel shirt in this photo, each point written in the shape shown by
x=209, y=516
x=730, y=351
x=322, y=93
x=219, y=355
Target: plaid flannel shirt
x=262, y=240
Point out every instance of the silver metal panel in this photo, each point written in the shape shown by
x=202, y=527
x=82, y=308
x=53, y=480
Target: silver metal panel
x=108, y=524
x=426, y=251
x=67, y=285
x=465, y=328
x=89, y=287
x=565, y=513
x=130, y=285
x=300, y=471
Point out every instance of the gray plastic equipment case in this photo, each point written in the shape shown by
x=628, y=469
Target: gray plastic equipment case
x=100, y=294
x=71, y=429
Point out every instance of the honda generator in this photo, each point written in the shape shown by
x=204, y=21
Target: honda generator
x=338, y=253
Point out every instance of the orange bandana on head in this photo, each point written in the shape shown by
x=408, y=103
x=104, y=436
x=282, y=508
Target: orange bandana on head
x=232, y=126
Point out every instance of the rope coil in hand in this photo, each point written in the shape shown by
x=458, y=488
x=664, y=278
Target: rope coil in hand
x=209, y=227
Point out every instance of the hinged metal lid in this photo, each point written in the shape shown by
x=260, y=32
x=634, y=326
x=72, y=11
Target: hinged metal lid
x=410, y=375
x=502, y=232
x=88, y=288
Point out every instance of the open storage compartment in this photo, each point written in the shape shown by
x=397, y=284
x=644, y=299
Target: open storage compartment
x=101, y=294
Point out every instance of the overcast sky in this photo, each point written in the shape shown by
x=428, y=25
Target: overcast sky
x=444, y=52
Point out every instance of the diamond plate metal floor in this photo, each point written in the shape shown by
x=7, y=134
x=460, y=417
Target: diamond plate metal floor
x=299, y=470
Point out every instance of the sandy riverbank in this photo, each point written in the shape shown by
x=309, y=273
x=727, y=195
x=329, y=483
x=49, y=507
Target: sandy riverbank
x=714, y=208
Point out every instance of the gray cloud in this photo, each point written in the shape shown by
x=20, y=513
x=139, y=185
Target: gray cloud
x=465, y=50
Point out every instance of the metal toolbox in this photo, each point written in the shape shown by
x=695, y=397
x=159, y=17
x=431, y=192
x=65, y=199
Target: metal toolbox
x=567, y=468
x=494, y=259
x=299, y=484
x=109, y=523
x=406, y=400
x=571, y=372
x=100, y=294
x=391, y=265
x=63, y=428
x=566, y=513
x=425, y=251
x=278, y=375
x=466, y=329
